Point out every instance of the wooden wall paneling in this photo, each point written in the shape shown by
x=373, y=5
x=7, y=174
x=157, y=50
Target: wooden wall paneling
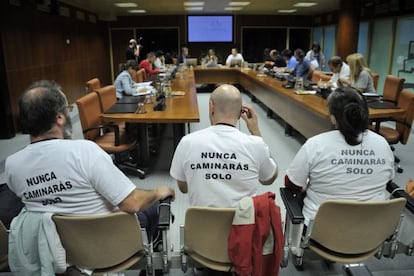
x=35, y=47
x=119, y=41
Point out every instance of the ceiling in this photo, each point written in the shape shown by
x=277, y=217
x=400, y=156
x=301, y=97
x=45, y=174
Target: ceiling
x=106, y=9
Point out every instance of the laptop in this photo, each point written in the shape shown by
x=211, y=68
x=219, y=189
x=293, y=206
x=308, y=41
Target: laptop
x=191, y=62
x=235, y=62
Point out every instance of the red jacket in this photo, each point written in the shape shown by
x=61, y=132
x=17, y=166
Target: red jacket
x=247, y=246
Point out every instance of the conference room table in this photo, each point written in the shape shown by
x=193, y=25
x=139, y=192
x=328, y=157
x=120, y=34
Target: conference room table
x=308, y=114
x=178, y=111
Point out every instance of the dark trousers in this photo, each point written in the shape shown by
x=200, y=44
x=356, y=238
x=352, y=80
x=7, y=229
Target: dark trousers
x=148, y=219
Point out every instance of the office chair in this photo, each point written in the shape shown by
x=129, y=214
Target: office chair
x=103, y=243
x=4, y=240
x=392, y=88
x=92, y=85
x=107, y=97
x=204, y=238
x=402, y=129
x=344, y=231
x=110, y=138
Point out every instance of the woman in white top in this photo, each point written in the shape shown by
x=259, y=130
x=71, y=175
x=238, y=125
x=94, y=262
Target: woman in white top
x=349, y=163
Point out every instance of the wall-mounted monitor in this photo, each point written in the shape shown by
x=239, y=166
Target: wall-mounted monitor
x=210, y=28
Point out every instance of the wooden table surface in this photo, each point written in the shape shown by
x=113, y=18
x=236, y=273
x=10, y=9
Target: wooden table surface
x=308, y=114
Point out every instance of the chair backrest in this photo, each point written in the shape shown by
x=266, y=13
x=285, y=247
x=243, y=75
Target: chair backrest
x=375, y=78
x=356, y=227
x=93, y=85
x=99, y=241
x=206, y=230
x=107, y=97
x=406, y=101
x=392, y=88
x=140, y=76
x=89, y=114
x=4, y=238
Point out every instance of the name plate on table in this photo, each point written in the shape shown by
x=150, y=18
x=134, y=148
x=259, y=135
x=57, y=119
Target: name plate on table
x=122, y=108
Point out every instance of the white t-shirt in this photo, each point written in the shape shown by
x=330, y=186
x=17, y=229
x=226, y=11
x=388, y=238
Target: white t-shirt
x=66, y=177
x=336, y=170
x=221, y=165
x=342, y=74
x=231, y=57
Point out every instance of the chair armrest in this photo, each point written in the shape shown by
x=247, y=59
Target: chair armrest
x=396, y=191
x=164, y=218
x=293, y=203
x=115, y=128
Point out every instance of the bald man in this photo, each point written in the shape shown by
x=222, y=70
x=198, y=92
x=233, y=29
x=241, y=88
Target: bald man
x=220, y=165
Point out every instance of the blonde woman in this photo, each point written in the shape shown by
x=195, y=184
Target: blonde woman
x=360, y=76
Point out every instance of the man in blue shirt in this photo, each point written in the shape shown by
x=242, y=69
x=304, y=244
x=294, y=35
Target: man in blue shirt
x=303, y=67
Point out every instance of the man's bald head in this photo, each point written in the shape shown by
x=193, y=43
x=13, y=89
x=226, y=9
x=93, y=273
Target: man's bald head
x=225, y=104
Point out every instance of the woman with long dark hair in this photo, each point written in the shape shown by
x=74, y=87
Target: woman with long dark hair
x=349, y=162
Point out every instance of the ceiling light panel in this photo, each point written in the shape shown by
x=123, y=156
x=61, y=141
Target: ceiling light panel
x=137, y=11
x=233, y=8
x=304, y=4
x=125, y=5
x=194, y=8
x=239, y=3
x=193, y=4
x=287, y=11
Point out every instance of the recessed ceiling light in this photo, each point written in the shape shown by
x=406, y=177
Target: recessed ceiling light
x=304, y=4
x=286, y=11
x=192, y=4
x=194, y=8
x=233, y=8
x=125, y=5
x=239, y=3
x=137, y=11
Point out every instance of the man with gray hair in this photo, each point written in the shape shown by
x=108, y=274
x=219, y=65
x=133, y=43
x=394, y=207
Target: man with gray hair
x=220, y=165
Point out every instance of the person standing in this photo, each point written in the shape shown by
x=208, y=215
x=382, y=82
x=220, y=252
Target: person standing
x=133, y=50
x=316, y=57
x=232, y=164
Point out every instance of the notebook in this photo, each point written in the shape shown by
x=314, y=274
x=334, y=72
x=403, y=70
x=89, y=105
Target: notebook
x=122, y=108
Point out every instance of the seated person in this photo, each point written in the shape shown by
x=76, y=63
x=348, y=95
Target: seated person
x=220, y=165
x=123, y=82
x=234, y=55
x=349, y=162
x=147, y=64
x=159, y=62
x=275, y=59
x=339, y=68
x=290, y=59
x=302, y=68
x=184, y=55
x=210, y=60
x=360, y=76
x=70, y=177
